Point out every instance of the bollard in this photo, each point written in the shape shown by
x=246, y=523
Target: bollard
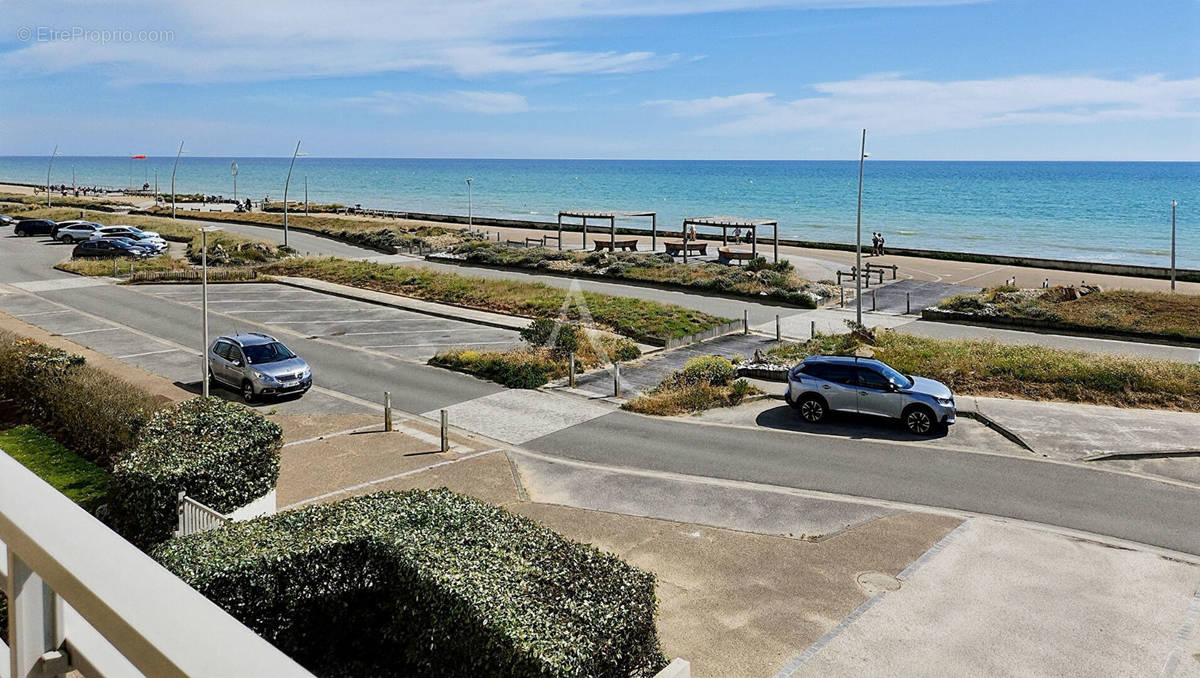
x=571, y=372
x=872, y=300
x=842, y=293
x=114, y=268
x=445, y=433
x=778, y=332
x=907, y=303
x=616, y=379
x=387, y=410
x=812, y=329
x=745, y=321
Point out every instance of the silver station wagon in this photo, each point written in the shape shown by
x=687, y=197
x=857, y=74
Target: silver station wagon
x=257, y=365
x=824, y=384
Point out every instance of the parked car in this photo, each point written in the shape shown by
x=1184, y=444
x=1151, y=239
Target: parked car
x=107, y=248
x=74, y=231
x=26, y=227
x=6, y=220
x=257, y=365
x=147, y=249
x=132, y=233
x=824, y=384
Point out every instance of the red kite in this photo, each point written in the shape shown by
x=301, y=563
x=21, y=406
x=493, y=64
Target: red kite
x=138, y=157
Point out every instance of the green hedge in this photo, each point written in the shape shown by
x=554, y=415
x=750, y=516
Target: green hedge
x=426, y=583
x=222, y=454
x=84, y=408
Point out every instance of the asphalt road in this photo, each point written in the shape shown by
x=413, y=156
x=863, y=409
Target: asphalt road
x=1068, y=496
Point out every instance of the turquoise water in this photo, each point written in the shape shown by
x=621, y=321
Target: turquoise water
x=1087, y=211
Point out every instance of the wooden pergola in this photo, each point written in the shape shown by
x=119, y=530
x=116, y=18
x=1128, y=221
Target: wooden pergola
x=726, y=223
x=611, y=218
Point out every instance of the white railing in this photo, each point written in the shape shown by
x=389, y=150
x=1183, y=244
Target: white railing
x=196, y=517
x=81, y=598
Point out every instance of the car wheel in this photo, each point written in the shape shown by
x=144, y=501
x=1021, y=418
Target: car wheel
x=67, y=240
x=812, y=408
x=919, y=419
x=247, y=392
x=212, y=379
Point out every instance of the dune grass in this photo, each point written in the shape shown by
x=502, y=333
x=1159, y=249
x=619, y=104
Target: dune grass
x=122, y=265
x=705, y=382
x=650, y=321
x=990, y=368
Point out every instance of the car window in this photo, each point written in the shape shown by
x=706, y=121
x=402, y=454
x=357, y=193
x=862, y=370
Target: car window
x=895, y=377
x=869, y=378
x=268, y=353
x=225, y=350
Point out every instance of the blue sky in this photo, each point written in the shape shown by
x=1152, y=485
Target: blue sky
x=787, y=79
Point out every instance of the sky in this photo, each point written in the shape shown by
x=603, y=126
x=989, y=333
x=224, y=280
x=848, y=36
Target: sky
x=688, y=79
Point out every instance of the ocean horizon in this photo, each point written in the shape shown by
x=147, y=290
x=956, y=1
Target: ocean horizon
x=1102, y=211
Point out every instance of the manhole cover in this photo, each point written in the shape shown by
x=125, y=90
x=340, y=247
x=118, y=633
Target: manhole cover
x=876, y=582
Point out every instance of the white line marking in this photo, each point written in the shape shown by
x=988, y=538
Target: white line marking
x=479, y=329
x=980, y=275
x=294, y=310
x=138, y=355
x=102, y=329
x=397, y=476
x=1181, y=637
x=317, y=322
x=331, y=435
x=452, y=343
x=30, y=315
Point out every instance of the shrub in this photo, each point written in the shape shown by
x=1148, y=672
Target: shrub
x=708, y=369
x=426, y=583
x=86, y=409
x=541, y=331
x=520, y=368
x=220, y=453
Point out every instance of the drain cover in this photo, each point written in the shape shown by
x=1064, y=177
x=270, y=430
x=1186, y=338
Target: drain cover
x=876, y=582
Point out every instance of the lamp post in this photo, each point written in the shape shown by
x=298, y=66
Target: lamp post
x=173, y=184
x=470, y=217
x=48, y=168
x=233, y=169
x=306, y=195
x=1173, y=205
x=285, y=192
x=858, y=272
x=204, y=231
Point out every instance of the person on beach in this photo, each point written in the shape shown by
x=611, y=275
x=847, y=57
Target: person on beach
x=882, y=251
x=874, y=242
x=691, y=234
x=737, y=234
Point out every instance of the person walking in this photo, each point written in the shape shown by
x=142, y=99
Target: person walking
x=874, y=243
x=737, y=235
x=882, y=251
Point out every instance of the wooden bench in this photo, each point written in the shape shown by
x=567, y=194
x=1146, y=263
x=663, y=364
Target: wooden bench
x=728, y=256
x=605, y=244
x=675, y=248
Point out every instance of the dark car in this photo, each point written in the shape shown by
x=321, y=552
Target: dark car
x=147, y=248
x=6, y=220
x=106, y=248
x=33, y=227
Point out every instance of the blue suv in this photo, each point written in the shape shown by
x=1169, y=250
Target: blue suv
x=824, y=384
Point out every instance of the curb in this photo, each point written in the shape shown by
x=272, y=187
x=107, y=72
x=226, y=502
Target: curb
x=1159, y=454
x=990, y=423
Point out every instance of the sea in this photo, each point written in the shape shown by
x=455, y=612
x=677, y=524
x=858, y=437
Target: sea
x=1117, y=212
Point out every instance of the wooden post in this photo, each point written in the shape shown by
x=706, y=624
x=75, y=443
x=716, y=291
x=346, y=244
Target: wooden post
x=612, y=234
x=778, y=333
x=653, y=232
x=685, y=240
x=560, y=230
x=616, y=379
x=585, y=233
x=445, y=433
x=776, y=243
x=754, y=240
x=387, y=410
x=745, y=321
x=873, y=299
x=812, y=329
x=571, y=371
x=907, y=302
x=842, y=292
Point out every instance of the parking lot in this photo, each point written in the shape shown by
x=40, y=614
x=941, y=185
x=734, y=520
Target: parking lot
x=288, y=313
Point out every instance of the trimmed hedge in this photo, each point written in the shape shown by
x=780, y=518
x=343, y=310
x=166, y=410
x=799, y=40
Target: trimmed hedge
x=222, y=454
x=84, y=408
x=426, y=583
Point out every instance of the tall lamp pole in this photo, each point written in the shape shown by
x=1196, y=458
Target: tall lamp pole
x=1173, y=205
x=204, y=231
x=48, y=168
x=173, y=184
x=233, y=169
x=858, y=271
x=306, y=195
x=285, y=192
x=470, y=217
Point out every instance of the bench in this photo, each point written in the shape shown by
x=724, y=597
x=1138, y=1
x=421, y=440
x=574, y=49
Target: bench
x=603, y=244
x=675, y=248
x=727, y=256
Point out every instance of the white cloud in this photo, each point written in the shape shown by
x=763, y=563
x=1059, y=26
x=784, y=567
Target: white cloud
x=904, y=106
x=235, y=40
x=487, y=103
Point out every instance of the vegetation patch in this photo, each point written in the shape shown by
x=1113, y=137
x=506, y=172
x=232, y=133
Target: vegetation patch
x=80, y=480
x=85, y=408
x=758, y=279
x=648, y=321
x=705, y=382
x=117, y=266
x=1029, y=372
x=220, y=453
x=546, y=356
x=1162, y=314
x=426, y=583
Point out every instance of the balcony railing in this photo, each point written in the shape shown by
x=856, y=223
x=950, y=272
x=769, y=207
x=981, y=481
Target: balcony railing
x=82, y=598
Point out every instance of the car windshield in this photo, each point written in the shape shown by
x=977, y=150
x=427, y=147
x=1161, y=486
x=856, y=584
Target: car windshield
x=895, y=377
x=267, y=353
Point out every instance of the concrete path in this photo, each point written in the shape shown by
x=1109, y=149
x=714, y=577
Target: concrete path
x=997, y=600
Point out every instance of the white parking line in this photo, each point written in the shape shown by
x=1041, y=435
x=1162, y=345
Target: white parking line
x=465, y=329
x=292, y=310
x=313, y=322
x=452, y=343
x=138, y=355
x=30, y=315
x=102, y=329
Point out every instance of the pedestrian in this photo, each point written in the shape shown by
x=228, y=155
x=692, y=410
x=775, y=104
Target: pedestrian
x=874, y=243
x=737, y=234
x=691, y=234
x=881, y=251
x=1046, y=284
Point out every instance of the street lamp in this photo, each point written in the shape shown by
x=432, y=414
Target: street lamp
x=48, y=168
x=173, y=181
x=285, y=193
x=470, y=219
x=1173, y=205
x=233, y=169
x=858, y=270
x=204, y=231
